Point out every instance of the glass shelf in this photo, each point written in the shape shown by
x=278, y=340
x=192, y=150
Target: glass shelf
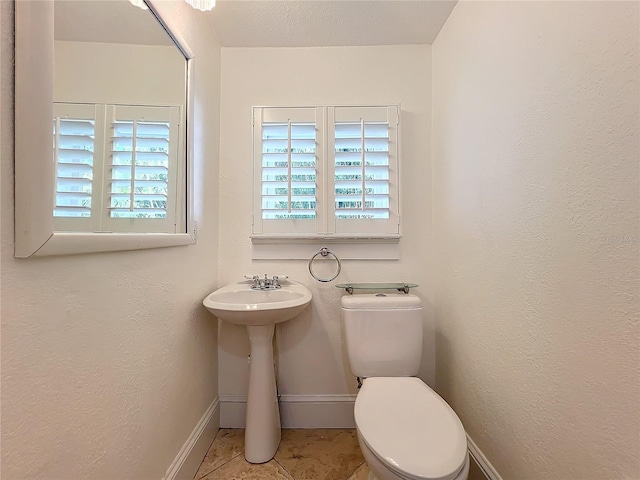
x=401, y=287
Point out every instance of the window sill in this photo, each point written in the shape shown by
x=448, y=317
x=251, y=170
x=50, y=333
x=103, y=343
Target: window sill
x=298, y=239
x=348, y=247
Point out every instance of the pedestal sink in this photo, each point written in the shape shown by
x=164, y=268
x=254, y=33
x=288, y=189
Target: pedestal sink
x=259, y=310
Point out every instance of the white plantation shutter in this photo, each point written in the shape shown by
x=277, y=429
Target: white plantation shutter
x=364, y=168
x=288, y=170
x=74, y=169
x=117, y=168
x=143, y=168
x=326, y=171
x=287, y=146
x=361, y=178
x=78, y=141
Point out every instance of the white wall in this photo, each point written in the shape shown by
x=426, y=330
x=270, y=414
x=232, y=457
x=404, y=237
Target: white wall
x=311, y=360
x=120, y=74
x=536, y=166
x=109, y=360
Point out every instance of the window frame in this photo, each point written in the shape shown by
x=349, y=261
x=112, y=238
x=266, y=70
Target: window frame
x=327, y=226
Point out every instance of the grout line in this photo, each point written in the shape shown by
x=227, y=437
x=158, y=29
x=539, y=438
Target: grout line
x=283, y=467
x=222, y=464
x=201, y=476
x=356, y=469
x=208, y=450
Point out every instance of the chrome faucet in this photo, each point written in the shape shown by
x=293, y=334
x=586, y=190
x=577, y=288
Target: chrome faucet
x=265, y=283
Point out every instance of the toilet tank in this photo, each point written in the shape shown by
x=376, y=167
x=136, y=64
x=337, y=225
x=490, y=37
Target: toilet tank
x=383, y=334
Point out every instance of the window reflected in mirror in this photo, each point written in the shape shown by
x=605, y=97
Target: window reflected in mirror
x=119, y=129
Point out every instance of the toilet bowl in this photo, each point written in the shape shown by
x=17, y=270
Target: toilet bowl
x=406, y=431
x=380, y=471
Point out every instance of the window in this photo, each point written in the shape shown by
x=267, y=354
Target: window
x=326, y=171
x=117, y=168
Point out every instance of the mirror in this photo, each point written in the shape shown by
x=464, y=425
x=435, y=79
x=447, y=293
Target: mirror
x=107, y=85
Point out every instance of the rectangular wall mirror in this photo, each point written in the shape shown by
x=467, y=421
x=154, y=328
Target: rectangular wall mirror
x=103, y=117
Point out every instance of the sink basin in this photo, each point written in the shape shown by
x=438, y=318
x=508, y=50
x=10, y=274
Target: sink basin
x=238, y=303
x=259, y=311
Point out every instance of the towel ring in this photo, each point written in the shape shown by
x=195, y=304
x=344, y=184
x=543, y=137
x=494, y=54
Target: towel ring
x=324, y=252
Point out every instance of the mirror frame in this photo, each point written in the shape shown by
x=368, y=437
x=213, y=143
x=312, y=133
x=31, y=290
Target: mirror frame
x=34, y=163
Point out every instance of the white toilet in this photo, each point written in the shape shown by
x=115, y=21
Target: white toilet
x=406, y=431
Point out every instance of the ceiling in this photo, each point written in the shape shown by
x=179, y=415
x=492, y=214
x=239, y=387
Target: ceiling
x=265, y=23
x=316, y=23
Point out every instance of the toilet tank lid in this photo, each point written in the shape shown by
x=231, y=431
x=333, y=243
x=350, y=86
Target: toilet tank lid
x=380, y=301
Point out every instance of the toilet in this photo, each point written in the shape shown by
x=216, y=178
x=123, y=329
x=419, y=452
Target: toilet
x=406, y=430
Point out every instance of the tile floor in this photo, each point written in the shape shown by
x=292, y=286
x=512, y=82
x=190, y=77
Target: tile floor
x=323, y=454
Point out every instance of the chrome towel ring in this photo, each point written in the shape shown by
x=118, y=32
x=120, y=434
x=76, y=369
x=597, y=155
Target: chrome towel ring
x=324, y=251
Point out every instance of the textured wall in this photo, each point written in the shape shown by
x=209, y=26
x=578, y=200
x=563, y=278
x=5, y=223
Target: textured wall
x=536, y=165
x=109, y=360
x=310, y=347
x=157, y=73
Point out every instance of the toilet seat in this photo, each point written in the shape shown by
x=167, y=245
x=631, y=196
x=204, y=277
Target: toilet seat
x=410, y=428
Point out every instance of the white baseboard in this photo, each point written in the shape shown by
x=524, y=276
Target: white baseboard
x=481, y=460
x=190, y=456
x=317, y=411
x=233, y=410
x=296, y=411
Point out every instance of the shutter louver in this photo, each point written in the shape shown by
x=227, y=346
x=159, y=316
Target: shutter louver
x=361, y=170
x=74, y=154
x=139, y=169
x=288, y=170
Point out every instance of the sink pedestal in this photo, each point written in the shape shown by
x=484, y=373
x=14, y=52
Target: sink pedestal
x=259, y=310
x=262, y=430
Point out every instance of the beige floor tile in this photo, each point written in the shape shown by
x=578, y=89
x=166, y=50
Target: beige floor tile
x=362, y=473
x=228, y=444
x=240, y=469
x=324, y=454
